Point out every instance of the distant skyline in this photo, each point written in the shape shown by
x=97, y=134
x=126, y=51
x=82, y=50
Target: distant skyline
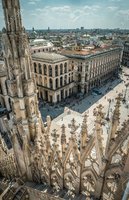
x=68, y=14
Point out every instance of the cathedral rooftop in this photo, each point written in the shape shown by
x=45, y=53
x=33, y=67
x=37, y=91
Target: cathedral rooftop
x=48, y=57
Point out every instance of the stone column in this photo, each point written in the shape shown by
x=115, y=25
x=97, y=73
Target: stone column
x=64, y=93
x=54, y=83
x=47, y=71
x=68, y=91
x=60, y=96
x=54, y=97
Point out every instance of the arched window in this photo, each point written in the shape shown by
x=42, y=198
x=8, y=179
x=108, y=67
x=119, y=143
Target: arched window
x=56, y=70
x=65, y=68
x=40, y=68
x=65, y=80
x=39, y=50
x=69, y=79
x=61, y=81
x=45, y=81
x=36, y=79
x=35, y=66
x=61, y=68
x=45, y=69
x=80, y=69
x=57, y=83
x=40, y=80
x=50, y=83
x=50, y=70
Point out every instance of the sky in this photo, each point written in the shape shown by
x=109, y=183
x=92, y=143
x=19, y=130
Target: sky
x=66, y=14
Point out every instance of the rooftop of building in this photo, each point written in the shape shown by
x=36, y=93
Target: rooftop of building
x=49, y=57
x=87, y=52
x=40, y=42
x=127, y=43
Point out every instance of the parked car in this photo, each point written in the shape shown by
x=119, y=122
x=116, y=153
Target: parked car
x=97, y=92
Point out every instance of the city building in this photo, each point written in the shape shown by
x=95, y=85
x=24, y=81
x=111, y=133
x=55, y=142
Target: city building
x=40, y=45
x=79, y=71
x=125, y=58
x=93, y=68
x=54, y=76
x=44, y=165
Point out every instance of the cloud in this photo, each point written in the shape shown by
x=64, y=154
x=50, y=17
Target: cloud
x=32, y=2
x=112, y=8
x=91, y=8
x=123, y=12
x=61, y=9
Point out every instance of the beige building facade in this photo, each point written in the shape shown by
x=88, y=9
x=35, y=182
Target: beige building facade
x=125, y=57
x=54, y=76
x=94, y=68
x=58, y=77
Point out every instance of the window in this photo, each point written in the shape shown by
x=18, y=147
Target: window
x=61, y=68
x=45, y=69
x=65, y=80
x=69, y=79
x=50, y=83
x=56, y=70
x=61, y=81
x=40, y=68
x=50, y=70
x=40, y=80
x=35, y=70
x=65, y=68
x=57, y=83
